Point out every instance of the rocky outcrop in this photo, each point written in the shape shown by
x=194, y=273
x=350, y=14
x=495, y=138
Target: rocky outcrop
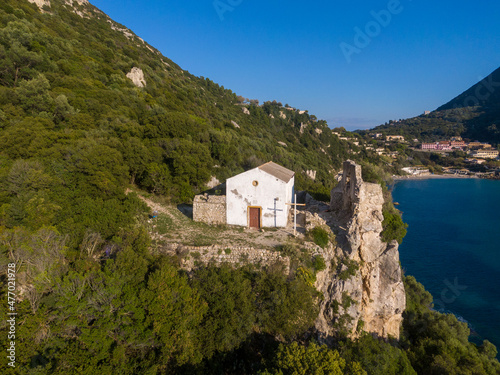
x=213, y=182
x=40, y=3
x=136, y=75
x=311, y=174
x=362, y=286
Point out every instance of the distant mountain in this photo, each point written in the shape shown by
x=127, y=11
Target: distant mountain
x=484, y=94
x=474, y=114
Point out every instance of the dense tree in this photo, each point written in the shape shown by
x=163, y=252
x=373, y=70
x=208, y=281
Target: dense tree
x=297, y=359
x=230, y=318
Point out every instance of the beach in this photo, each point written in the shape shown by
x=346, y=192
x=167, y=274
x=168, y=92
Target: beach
x=432, y=176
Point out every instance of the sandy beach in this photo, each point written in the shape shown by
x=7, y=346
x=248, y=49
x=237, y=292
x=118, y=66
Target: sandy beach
x=431, y=176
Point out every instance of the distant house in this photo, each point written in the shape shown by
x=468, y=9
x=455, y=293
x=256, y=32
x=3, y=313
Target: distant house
x=458, y=144
x=256, y=198
x=398, y=138
x=444, y=146
x=485, y=154
x=429, y=146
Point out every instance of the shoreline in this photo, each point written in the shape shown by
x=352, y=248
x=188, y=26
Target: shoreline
x=433, y=176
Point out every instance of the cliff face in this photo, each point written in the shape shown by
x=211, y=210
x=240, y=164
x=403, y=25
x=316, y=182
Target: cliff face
x=368, y=292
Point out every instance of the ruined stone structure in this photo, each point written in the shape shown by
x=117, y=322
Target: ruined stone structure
x=209, y=209
x=371, y=293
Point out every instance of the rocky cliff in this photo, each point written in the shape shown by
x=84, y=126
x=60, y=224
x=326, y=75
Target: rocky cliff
x=362, y=285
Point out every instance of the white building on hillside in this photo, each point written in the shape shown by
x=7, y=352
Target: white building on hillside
x=258, y=198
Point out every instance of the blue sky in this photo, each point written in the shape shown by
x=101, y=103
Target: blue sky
x=355, y=64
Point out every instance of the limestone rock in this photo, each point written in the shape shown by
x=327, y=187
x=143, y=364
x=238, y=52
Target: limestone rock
x=136, y=75
x=282, y=143
x=245, y=110
x=373, y=292
x=213, y=182
x=40, y=3
x=311, y=174
x=235, y=124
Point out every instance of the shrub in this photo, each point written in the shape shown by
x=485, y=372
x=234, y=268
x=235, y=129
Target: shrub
x=306, y=275
x=319, y=263
x=319, y=236
x=352, y=267
x=394, y=227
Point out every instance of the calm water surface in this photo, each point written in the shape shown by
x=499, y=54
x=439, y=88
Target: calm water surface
x=453, y=247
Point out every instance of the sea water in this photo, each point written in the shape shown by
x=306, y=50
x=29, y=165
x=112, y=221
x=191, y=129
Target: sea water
x=453, y=247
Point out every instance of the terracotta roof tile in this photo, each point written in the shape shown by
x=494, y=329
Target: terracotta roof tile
x=277, y=171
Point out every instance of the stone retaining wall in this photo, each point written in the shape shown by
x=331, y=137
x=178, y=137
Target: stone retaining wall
x=193, y=256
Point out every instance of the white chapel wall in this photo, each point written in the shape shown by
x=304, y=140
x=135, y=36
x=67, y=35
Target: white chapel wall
x=241, y=192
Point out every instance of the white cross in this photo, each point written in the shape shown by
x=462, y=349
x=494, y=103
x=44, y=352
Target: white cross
x=295, y=213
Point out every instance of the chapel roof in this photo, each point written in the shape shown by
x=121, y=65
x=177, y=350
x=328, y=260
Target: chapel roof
x=277, y=171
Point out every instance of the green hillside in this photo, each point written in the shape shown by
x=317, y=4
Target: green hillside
x=70, y=116
x=78, y=139
x=474, y=114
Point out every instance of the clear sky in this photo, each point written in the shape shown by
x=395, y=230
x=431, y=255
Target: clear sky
x=355, y=64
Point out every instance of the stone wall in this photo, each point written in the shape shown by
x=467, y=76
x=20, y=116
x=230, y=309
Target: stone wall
x=198, y=256
x=210, y=209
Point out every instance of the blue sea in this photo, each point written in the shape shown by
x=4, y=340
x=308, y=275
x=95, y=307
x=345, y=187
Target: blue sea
x=453, y=247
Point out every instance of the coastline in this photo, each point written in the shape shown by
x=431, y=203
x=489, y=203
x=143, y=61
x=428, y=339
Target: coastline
x=433, y=176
